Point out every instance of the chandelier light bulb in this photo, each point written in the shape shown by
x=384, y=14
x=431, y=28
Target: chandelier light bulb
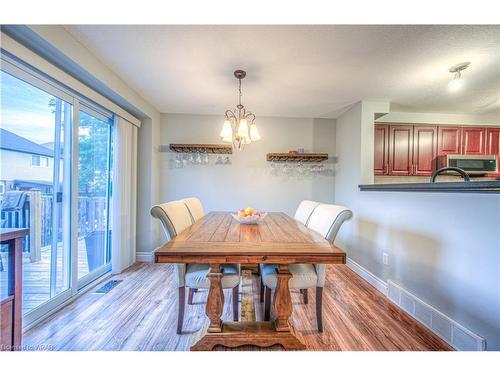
x=228, y=138
x=227, y=131
x=254, y=133
x=456, y=84
x=243, y=128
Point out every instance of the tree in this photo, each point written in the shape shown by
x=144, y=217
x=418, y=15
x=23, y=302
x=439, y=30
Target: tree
x=94, y=139
x=93, y=155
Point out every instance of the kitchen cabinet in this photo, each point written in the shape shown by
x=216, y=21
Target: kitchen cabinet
x=400, y=150
x=419, y=150
x=493, y=144
x=449, y=140
x=473, y=141
x=381, y=157
x=424, y=150
x=493, y=141
x=405, y=150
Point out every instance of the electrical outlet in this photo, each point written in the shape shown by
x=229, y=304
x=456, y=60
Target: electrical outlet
x=385, y=258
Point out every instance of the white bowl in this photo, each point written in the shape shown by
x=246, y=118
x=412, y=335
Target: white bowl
x=254, y=219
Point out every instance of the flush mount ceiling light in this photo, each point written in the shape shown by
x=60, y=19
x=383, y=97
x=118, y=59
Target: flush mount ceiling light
x=239, y=126
x=457, y=82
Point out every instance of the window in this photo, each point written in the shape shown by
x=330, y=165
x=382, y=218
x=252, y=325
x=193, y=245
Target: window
x=39, y=161
x=2, y=187
x=35, y=160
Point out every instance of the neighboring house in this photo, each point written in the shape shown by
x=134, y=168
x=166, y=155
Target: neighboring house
x=25, y=164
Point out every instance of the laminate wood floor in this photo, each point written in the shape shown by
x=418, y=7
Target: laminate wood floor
x=141, y=314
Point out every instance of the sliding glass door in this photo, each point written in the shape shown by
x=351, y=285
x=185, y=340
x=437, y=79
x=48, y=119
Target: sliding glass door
x=35, y=144
x=94, y=176
x=55, y=178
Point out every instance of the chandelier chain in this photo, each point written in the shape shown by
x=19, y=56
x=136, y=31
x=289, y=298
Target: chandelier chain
x=239, y=89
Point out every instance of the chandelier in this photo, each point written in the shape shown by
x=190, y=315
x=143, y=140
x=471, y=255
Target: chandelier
x=239, y=127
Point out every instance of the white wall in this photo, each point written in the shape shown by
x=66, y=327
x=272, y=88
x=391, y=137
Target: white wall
x=443, y=247
x=248, y=181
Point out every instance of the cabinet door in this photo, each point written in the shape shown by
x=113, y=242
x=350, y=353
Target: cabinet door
x=400, y=150
x=424, y=150
x=493, y=141
x=381, y=157
x=449, y=142
x=474, y=141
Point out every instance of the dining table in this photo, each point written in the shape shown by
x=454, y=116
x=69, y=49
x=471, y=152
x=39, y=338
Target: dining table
x=219, y=238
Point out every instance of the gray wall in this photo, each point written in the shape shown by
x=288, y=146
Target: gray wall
x=248, y=181
x=444, y=248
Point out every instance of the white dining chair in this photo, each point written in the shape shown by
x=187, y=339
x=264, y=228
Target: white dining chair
x=305, y=210
x=325, y=219
x=302, y=214
x=195, y=208
x=175, y=218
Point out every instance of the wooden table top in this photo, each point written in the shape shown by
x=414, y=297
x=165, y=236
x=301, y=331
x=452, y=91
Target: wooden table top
x=278, y=238
x=7, y=234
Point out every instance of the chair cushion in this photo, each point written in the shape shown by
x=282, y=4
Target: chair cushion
x=303, y=276
x=196, y=276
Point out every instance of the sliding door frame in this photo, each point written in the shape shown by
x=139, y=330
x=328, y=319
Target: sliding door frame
x=32, y=76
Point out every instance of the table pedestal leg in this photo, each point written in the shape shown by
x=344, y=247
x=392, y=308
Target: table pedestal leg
x=215, y=302
x=260, y=334
x=282, y=299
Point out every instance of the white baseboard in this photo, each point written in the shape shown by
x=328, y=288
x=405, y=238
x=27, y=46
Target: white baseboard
x=456, y=335
x=459, y=337
x=144, y=256
x=379, y=284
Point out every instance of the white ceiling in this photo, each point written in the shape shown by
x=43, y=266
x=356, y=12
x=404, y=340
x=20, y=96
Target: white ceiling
x=302, y=71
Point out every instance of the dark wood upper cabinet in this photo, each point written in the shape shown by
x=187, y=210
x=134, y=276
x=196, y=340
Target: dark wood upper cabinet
x=474, y=141
x=493, y=141
x=381, y=157
x=400, y=150
x=449, y=140
x=424, y=150
x=418, y=150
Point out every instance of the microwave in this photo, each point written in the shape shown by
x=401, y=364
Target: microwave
x=474, y=164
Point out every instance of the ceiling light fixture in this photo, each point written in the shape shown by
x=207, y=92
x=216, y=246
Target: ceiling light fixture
x=239, y=125
x=457, y=82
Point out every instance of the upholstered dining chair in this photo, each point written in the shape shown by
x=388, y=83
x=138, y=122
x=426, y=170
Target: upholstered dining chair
x=302, y=214
x=325, y=219
x=195, y=208
x=176, y=217
x=305, y=210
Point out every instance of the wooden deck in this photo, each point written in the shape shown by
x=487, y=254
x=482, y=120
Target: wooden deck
x=141, y=314
x=36, y=276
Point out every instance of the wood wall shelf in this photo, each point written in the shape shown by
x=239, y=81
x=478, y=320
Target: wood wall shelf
x=296, y=157
x=204, y=148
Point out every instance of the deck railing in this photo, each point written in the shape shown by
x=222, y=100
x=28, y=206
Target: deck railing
x=36, y=214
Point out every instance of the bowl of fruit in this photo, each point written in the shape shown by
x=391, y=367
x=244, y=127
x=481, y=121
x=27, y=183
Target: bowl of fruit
x=249, y=216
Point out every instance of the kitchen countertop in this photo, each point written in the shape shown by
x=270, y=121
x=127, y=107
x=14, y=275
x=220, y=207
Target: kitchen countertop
x=485, y=186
